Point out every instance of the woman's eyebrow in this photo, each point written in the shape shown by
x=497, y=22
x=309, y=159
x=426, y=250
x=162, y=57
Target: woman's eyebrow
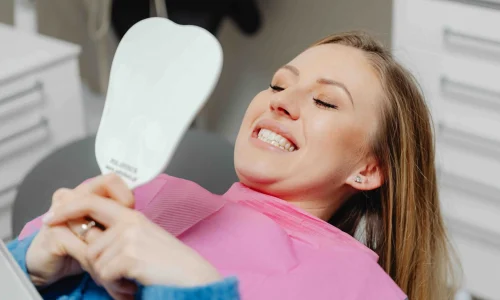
x=292, y=69
x=337, y=84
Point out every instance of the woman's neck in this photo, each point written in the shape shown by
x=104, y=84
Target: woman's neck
x=323, y=207
x=315, y=204
x=319, y=209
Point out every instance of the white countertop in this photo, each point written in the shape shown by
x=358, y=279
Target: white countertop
x=22, y=51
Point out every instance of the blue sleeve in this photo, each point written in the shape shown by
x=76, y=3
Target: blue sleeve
x=19, y=248
x=226, y=289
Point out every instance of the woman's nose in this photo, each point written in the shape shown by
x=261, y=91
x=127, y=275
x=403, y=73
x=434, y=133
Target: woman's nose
x=282, y=106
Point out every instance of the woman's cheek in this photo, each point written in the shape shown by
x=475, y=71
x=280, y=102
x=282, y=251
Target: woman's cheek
x=333, y=136
x=255, y=109
x=322, y=129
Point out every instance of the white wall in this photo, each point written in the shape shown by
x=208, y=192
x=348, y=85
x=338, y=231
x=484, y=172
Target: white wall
x=289, y=26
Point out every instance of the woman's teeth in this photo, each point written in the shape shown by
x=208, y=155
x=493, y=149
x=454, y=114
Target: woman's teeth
x=276, y=140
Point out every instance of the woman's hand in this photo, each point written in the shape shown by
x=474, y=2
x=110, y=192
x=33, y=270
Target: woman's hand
x=132, y=247
x=56, y=252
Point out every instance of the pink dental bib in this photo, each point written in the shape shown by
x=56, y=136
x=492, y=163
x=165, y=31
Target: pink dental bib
x=276, y=250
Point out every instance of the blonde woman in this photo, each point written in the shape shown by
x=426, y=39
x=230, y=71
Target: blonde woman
x=340, y=145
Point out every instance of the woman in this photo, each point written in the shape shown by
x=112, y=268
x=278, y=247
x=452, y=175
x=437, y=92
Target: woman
x=339, y=146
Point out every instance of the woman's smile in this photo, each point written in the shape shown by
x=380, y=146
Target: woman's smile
x=274, y=136
x=275, y=139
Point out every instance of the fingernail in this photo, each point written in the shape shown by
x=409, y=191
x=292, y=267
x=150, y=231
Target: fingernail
x=48, y=217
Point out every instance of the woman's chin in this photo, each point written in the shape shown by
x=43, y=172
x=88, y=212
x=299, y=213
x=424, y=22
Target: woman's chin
x=254, y=177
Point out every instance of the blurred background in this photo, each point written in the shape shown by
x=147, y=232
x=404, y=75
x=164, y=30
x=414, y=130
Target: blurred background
x=55, y=57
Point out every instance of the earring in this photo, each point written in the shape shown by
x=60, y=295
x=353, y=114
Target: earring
x=357, y=179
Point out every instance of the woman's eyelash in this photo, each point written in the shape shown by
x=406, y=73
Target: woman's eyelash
x=276, y=88
x=325, y=104
x=316, y=101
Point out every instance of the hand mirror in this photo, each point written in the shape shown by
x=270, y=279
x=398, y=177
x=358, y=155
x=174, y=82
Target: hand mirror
x=161, y=76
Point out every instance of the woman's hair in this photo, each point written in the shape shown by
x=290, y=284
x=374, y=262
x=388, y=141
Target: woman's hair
x=401, y=221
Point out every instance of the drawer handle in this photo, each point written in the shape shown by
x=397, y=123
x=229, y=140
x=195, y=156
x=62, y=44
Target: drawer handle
x=488, y=98
x=470, y=186
x=473, y=232
x=469, y=141
x=11, y=104
x=43, y=123
x=454, y=37
x=38, y=86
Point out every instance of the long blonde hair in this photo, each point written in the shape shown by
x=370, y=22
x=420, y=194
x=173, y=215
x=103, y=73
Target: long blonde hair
x=402, y=221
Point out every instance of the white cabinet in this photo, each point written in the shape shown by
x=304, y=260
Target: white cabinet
x=40, y=107
x=453, y=48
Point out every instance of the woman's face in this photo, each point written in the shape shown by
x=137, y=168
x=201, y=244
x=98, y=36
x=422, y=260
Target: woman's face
x=307, y=136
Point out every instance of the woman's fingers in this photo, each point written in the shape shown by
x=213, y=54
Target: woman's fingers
x=72, y=245
x=91, y=235
x=115, y=269
x=104, y=249
x=58, y=199
x=112, y=268
x=109, y=186
x=102, y=264
x=75, y=205
x=102, y=242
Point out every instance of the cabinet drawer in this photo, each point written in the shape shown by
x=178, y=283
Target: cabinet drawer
x=470, y=197
x=452, y=27
x=20, y=96
x=480, y=262
x=26, y=134
x=471, y=210
x=54, y=93
x=456, y=94
x=16, y=167
x=469, y=156
x=465, y=63
x=48, y=115
x=474, y=204
x=24, y=139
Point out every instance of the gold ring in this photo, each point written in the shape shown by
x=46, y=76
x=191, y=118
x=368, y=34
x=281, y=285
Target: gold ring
x=84, y=229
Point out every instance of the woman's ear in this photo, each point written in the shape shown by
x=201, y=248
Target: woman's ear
x=367, y=178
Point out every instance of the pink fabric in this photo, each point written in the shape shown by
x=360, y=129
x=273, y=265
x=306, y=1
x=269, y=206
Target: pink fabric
x=276, y=250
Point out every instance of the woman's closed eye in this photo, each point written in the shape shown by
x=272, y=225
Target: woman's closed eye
x=324, y=104
x=276, y=88
x=318, y=102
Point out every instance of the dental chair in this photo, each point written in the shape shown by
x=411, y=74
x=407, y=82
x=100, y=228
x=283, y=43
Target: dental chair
x=202, y=157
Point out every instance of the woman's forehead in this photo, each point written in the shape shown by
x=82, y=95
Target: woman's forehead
x=333, y=58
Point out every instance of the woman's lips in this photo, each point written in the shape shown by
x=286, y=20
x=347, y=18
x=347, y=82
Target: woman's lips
x=276, y=140
x=269, y=130
x=254, y=140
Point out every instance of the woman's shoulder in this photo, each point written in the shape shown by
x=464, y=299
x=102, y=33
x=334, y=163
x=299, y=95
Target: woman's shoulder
x=350, y=275
x=321, y=275
x=364, y=274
